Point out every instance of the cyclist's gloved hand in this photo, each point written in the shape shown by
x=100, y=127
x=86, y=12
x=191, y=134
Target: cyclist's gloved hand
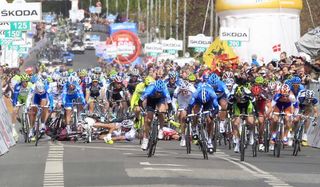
x=214, y=112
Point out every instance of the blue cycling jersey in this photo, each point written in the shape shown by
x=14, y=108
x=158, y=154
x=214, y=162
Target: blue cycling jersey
x=211, y=97
x=150, y=92
x=296, y=93
x=221, y=88
x=74, y=94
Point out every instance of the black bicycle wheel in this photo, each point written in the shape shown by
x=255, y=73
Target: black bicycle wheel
x=229, y=133
x=37, y=136
x=255, y=145
x=203, y=141
x=278, y=144
x=153, y=140
x=188, y=139
x=216, y=136
x=242, y=142
x=266, y=136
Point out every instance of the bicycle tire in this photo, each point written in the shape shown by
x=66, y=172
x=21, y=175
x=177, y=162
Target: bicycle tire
x=266, y=136
x=255, y=146
x=297, y=140
x=153, y=140
x=203, y=146
x=229, y=133
x=37, y=135
x=278, y=144
x=242, y=142
x=188, y=139
x=25, y=128
x=216, y=136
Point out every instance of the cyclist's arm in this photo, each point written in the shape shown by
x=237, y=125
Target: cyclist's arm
x=15, y=95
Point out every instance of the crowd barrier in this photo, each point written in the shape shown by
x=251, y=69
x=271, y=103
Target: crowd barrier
x=314, y=131
x=6, y=137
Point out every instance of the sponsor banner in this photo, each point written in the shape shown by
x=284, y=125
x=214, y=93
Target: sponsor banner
x=153, y=48
x=172, y=44
x=199, y=41
x=235, y=34
x=4, y=26
x=20, y=12
x=128, y=46
x=123, y=26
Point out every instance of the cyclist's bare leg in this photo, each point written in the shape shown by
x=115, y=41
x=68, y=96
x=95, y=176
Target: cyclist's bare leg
x=45, y=113
x=147, y=121
x=223, y=112
x=162, y=107
x=182, y=120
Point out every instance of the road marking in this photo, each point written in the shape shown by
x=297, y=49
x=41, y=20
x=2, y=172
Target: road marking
x=167, y=169
x=53, y=173
x=268, y=178
x=149, y=164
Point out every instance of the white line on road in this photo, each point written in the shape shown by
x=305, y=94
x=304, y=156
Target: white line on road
x=149, y=164
x=268, y=178
x=53, y=173
x=167, y=169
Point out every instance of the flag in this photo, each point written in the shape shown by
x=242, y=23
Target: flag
x=276, y=48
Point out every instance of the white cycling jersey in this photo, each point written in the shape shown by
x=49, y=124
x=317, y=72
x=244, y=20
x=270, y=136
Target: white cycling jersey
x=182, y=98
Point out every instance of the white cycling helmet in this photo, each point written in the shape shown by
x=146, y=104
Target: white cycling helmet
x=127, y=124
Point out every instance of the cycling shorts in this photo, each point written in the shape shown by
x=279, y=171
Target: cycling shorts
x=247, y=108
x=282, y=105
x=153, y=102
x=39, y=97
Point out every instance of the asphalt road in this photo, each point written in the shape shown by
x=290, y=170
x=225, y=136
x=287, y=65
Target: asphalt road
x=125, y=164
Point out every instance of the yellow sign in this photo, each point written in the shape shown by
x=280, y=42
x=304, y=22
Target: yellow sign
x=224, y=5
x=219, y=52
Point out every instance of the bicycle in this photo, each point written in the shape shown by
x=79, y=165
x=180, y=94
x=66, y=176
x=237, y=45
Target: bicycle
x=55, y=123
x=298, y=133
x=280, y=129
x=38, y=134
x=266, y=135
x=25, y=122
x=244, y=137
x=153, y=137
x=203, y=135
x=98, y=110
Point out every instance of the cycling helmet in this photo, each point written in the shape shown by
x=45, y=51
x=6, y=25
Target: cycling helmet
x=61, y=82
x=127, y=124
x=65, y=74
x=97, y=69
x=213, y=79
x=259, y=80
x=39, y=87
x=205, y=77
x=70, y=71
x=118, y=79
x=72, y=79
x=56, y=76
x=160, y=85
x=24, y=77
x=295, y=80
x=184, y=85
x=192, y=77
x=227, y=75
x=49, y=79
x=148, y=81
x=172, y=74
x=135, y=72
x=95, y=78
x=256, y=90
x=83, y=73
x=229, y=81
x=204, y=95
x=272, y=86
x=29, y=70
x=113, y=73
x=44, y=75
x=240, y=92
x=285, y=89
x=288, y=82
x=310, y=94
